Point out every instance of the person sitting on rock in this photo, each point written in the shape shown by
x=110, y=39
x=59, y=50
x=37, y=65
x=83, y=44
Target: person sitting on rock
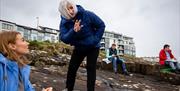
x=167, y=59
x=114, y=58
x=14, y=71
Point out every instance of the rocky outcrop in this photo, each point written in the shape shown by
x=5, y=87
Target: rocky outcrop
x=136, y=66
x=144, y=68
x=41, y=58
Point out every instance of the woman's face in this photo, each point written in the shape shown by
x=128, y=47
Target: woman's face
x=20, y=46
x=71, y=11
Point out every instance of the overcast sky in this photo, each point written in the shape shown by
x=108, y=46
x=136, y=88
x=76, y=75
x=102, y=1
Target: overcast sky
x=152, y=23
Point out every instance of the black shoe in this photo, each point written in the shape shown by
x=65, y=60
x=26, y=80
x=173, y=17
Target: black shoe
x=115, y=72
x=177, y=72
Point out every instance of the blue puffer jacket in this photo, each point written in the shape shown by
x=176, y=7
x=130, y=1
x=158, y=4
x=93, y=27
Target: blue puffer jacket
x=89, y=35
x=9, y=75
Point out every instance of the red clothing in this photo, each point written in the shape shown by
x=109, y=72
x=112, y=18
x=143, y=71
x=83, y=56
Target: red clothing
x=163, y=57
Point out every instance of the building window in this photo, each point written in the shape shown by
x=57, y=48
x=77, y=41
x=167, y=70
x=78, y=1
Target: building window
x=20, y=29
x=48, y=30
x=26, y=34
x=102, y=45
x=7, y=26
x=53, y=38
x=34, y=32
x=102, y=40
x=47, y=34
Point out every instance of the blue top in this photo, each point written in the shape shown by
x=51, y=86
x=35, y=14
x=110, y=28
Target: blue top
x=90, y=34
x=9, y=75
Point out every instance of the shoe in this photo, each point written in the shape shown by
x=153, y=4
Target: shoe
x=126, y=73
x=115, y=72
x=177, y=72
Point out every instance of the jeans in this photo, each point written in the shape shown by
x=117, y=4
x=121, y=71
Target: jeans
x=115, y=61
x=77, y=57
x=173, y=65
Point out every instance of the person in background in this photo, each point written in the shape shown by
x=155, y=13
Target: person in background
x=167, y=59
x=114, y=58
x=82, y=29
x=14, y=71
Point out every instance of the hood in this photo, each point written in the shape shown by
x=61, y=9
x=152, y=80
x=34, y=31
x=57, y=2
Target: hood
x=2, y=58
x=80, y=8
x=7, y=62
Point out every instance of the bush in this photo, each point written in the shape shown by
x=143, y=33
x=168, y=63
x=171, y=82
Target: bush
x=51, y=48
x=102, y=54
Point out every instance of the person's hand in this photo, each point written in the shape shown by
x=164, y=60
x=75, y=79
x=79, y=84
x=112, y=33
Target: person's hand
x=77, y=26
x=47, y=89
x=175, y=59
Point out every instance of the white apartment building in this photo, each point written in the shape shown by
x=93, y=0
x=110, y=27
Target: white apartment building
x=125, y=44
x=41, y=34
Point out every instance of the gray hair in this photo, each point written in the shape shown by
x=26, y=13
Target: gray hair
x=63, y=8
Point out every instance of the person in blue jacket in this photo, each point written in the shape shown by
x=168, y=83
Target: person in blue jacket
x=82, y=29
x=112, y=55
x=14, y=71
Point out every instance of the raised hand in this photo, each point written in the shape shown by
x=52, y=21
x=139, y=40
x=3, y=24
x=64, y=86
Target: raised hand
x=77, y=26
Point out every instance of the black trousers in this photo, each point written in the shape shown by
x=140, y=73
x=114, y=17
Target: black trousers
x=77, y=57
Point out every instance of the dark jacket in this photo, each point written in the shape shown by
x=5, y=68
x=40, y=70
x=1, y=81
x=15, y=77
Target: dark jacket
x=111, y=52
x=89, y=35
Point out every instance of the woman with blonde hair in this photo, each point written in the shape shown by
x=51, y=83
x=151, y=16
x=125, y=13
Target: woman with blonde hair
x=14, y=71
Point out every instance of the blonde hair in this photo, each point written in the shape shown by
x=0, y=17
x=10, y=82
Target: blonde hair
x=7, y=37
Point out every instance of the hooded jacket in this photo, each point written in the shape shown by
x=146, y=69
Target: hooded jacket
x=163, y=57
x=89, y=35
x=9, y=75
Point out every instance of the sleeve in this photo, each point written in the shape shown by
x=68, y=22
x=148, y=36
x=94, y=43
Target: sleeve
x=1, y=77
x=65, y=34
x=25, y=73
x=30, y=87
x=98, y=25
x=162, y=56
x=171, y=55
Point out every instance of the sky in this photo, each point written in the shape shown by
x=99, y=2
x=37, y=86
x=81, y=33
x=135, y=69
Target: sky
x=152, y=23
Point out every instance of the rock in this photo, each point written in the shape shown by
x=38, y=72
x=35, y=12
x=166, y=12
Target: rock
x=41, y=58
x=98, y=83
x=170, y=77
x=136, y=85
x=39, y=64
